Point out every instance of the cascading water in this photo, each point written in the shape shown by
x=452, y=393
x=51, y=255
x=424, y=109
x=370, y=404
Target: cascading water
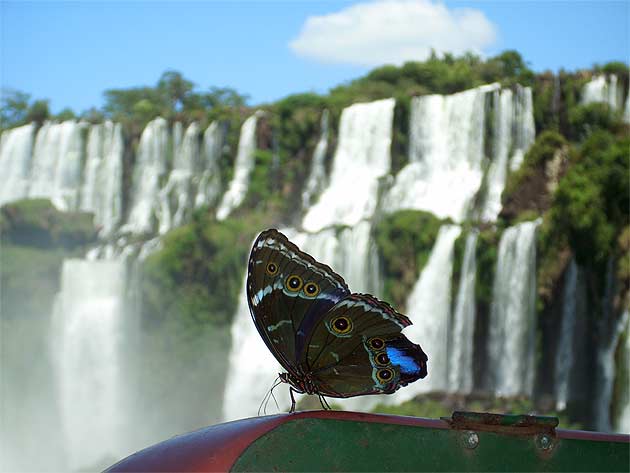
x=56, y=166
x=361, y=158
x=513, y=135
x=445, y=154
x=89, y=328
x=460, y=364
x=317, y=178
x=429, y=308
x=609, y=328
x=564, y=354
x=364, y=139
x=622, y=422
x=101, y=191
x=511, y=340
x=602, y=88
x=243, y=166
x=15, y=162
x=176, y=197
x=525, y=128
x=150, y=166
x=209, y=184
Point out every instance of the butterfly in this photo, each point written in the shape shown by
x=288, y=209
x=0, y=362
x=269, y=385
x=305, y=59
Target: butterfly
x=330, y=341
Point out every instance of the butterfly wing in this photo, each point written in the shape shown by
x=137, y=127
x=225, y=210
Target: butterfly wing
x=288, y=292
x=357, y=348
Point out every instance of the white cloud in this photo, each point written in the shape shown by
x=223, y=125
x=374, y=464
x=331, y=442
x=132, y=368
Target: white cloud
x=392, y=32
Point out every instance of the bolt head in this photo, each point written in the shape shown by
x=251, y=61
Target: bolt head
x=471, y=440
x=544, y=442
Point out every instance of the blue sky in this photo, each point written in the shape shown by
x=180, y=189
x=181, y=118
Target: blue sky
x=70, y=52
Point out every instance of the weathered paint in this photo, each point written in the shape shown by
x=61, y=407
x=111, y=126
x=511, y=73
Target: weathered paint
x=349, y=441
x=343, y=445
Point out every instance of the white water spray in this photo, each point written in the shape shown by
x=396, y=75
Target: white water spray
x=101, y=191
x=361, y=158
x=209, y=184
x=176, y=197
x=89, y=326
x=461, y=342
x=16, y=147
x=56, y=166
x=317, y=177
x=149, y=168
x=445, y=154
x=429, y=308
x=243, y=166
x=564, y=353
x=512, y=331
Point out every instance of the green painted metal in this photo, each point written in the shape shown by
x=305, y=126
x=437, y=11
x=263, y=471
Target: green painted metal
x=310, y=444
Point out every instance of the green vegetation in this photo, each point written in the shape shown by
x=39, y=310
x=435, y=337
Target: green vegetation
x=404, y=240
x=526, y=190
x=37, y=223
x=436, y=406
x=436, y=75
x=590, y=205
x=196, y=278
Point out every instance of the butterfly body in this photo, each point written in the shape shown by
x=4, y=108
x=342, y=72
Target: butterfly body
x=330, y=341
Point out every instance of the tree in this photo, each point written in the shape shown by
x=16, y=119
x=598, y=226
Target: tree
x=66, y=114
x=38, y=111
x=121, y=104
x=13, y=108
x=175, y=89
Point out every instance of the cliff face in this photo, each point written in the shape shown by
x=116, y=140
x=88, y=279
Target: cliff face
x=447, y=205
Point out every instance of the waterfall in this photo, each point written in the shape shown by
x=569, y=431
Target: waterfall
x=243, y=166
x=317, y=177
x=361, y=158
x=101, y=191
x=622, y=422
x=446, y=151
x=564, y=353
x=150, y=167
x=512, y=333
x=15, y=162
x=609, y=329
x=446, y=136
x=429, y=308
x=57, y=164
x=605, y=89
x=525, y=128
x=363, y=150
x=513, y=135
x=209, y=184
x=176, y=197
x=460, y=365
x=89, y=327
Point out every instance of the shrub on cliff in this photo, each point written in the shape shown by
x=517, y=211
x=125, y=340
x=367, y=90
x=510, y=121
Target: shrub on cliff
x=404, y=241
x=197, y=276
x=36, y=222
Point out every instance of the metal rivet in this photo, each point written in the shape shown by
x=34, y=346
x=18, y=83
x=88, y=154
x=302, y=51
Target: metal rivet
x=544, y=442
x=471, y=440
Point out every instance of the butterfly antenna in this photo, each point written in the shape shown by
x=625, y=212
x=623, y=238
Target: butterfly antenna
x=274, y=399
x=265, y=399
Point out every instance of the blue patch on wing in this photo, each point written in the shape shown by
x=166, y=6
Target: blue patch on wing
x=404, y=360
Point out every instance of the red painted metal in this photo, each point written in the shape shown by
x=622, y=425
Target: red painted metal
x=217, y=448
x=214, y=448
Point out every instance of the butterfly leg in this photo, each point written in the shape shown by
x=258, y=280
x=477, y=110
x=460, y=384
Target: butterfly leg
x=324, y=403
x=291, y=390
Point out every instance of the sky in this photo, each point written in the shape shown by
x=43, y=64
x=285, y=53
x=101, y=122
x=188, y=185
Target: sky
x=70, y=52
